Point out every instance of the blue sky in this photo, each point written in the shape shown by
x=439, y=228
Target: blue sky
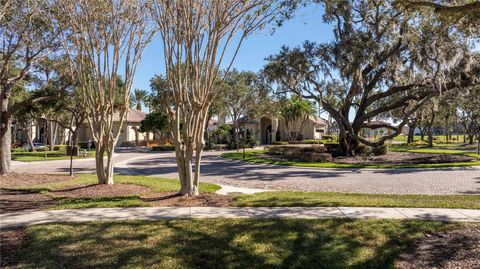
x=306, y=25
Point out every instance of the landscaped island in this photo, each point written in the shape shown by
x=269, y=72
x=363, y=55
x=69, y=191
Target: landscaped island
x=394, y=156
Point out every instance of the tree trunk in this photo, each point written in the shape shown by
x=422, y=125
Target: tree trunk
x=447, y=132
x=5, y=136
x=51, y=141
x=470, y=139
x=55, y=134
x=347, y=145
x=110, y=165
x=99, y=151
x=29, y=136
x=411, y=133
x=184, y=163
x=430, y=137
x=422, y=134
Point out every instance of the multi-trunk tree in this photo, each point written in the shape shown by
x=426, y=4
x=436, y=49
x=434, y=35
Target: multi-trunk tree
x=468, y=112
x=198, y=38
x=381, y=60
x=104, y=41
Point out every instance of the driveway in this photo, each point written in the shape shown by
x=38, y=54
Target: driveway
x=253, y=175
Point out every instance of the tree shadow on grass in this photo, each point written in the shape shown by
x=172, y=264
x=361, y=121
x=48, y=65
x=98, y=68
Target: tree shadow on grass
x=223, y=243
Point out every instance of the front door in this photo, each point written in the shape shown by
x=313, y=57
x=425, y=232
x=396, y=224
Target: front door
x=268, y=134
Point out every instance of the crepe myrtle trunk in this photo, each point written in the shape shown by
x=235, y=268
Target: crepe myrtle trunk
x=29, y=136
x=104, y=172
x=5, y=135
x=189, y=144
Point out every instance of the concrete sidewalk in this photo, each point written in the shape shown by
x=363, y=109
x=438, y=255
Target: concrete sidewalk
x=158, y=213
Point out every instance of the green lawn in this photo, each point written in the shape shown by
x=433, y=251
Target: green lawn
x=156, y=184
x=437, y=138
x=223, y=243
x=252, y=156
x=295, y=198
x=435, y=150
x=277, y=198
x=51, y=156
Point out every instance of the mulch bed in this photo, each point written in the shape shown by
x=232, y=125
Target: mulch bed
x=402, y=158
x=19, y=200
x=175, y=199
x=451, y=249
x=17, y=180
x=11, y=240
x=102, y=190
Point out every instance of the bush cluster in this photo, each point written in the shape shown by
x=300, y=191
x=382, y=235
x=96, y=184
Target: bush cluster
x=369, y=151
x=307, y=154
x=166, y=147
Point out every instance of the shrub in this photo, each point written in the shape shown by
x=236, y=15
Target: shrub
x=316, y=157
x=60, y=147
x=277, y=135
x=279, y=143
x=380, y=150
x=20, y=150
x=210, y=145
x=361, y=150
x=84, y=145
x=332, y=147
x=166, y=147
x=308, y=154
x=127, y=144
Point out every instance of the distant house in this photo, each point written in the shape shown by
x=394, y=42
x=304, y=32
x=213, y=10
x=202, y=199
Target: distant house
x=265, y=128
x=129, y=135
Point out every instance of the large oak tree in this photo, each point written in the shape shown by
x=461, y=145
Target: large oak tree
x=381, y=60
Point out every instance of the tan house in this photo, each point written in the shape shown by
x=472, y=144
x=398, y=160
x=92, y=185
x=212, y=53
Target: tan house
x=129, y=135
x=265, y=128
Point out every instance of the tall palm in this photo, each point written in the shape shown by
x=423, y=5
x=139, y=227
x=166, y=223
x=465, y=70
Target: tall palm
x=138, y=97
x=295, y=112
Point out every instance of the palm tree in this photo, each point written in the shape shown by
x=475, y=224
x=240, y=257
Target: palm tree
x=138, y=97
x=295, y=112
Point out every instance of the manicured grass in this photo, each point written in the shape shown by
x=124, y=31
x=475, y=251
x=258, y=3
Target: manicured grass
x=51, y=156
x=437, y=138
x=223, y=243
x=292, y=198
x=252, y=156
x=107, y=202
x=435, y=151
x=156, y=184
x=280, y=198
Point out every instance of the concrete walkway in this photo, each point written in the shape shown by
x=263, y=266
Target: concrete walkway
x=158, y=213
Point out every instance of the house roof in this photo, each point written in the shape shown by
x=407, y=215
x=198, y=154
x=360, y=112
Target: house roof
x=133, y=115
x=318, y=120
x=246, y=120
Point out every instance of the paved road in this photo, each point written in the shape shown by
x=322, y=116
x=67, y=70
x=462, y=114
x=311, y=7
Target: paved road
x=251, y=175
x=156, y=213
